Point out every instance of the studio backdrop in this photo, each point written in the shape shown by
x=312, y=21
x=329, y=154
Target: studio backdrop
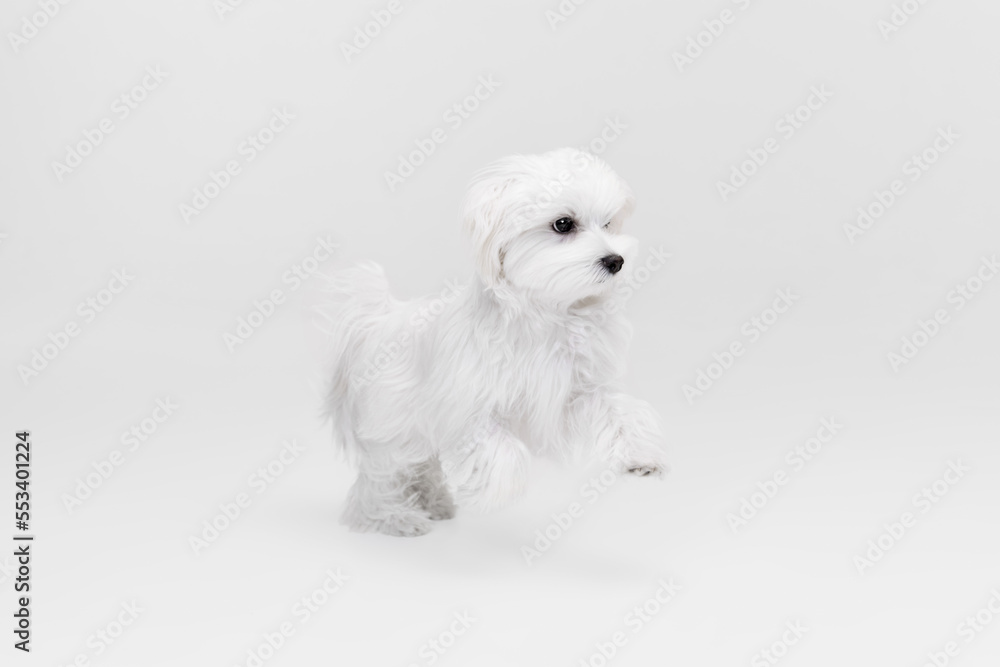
x=815, y=307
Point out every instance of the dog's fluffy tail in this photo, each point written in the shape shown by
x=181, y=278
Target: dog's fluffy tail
x=358, y=301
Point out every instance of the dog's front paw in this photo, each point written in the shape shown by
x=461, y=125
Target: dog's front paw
x=644, y=462
x=644, y=470
x=633, y=438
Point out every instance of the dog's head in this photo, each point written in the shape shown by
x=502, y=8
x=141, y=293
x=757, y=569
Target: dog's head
x=549, y=226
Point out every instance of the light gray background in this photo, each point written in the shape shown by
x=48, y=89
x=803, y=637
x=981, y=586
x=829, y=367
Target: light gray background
x=163, y=335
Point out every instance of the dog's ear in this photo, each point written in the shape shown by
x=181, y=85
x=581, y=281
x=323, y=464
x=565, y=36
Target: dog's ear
x=485, y=218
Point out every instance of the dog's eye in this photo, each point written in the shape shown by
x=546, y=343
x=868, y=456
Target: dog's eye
x=563, y=225
x=607, y=224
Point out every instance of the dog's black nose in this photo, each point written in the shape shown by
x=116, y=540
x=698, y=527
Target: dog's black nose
x=613, y=263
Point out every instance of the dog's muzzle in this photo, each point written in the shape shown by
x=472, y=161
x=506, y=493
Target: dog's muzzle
x=613, y=263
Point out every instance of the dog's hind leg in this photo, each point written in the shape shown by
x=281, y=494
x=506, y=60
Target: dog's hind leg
x=431, y=488
x=386, y=497
x=489, y=470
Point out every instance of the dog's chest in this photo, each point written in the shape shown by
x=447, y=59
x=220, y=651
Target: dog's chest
x=541, y=370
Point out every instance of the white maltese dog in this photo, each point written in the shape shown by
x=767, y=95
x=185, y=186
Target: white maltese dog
x=447, y=397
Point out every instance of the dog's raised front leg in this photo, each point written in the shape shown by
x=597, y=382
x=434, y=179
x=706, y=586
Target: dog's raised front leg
x=624, y=431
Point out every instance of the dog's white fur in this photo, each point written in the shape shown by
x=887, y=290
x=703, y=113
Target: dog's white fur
x=526, y=359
